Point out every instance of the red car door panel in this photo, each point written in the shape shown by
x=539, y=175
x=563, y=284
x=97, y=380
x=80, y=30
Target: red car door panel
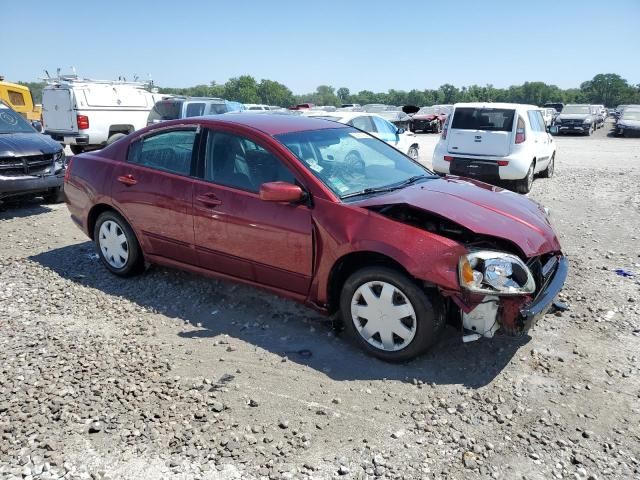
x=239, y=234
x=158, y=203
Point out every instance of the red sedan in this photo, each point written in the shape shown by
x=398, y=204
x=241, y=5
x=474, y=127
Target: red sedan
x=325, y=214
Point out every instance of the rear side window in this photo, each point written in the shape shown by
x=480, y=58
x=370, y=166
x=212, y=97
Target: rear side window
x=195, y=109
x=165, y=110
x=363, y=123
x=535, y=121
x=16, y=98
x=169, y=151
x=491, y=119
x=217, y=108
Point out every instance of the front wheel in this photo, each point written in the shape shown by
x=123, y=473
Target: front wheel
x=117, y=245
x=54, y=195
x=389, y=315
x=590, y=131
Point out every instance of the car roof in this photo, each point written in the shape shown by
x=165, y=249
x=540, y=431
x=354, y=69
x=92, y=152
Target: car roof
x=274, y=124
x=495, y=105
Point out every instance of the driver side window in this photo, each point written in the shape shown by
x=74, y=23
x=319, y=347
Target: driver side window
x=238, y=162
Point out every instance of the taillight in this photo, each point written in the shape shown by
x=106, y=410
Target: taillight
x=447, y=158
x=503, y=163
x=67, y=173
x=520, y=133
x=83, y=122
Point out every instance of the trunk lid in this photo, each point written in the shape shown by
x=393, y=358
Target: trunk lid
x=57, y=110
x=481, y=131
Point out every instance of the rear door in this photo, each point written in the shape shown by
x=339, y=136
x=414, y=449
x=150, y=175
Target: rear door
x=154, y=190
x=541, y=139
x=57, y=109
x=481, y=131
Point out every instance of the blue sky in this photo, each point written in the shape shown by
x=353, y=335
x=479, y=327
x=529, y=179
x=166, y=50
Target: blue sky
x=373, y=44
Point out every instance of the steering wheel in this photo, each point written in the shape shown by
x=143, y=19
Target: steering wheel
x=353, y=163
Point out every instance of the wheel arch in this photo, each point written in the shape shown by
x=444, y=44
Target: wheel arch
x=350, y=263
x=98, y=209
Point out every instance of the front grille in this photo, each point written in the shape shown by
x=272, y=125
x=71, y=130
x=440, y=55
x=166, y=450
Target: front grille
x=29, y=165
x=572, y=122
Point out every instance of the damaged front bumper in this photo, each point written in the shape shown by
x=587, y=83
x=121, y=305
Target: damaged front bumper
x=483, y=316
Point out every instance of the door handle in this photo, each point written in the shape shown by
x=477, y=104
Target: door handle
x=209, y=199
x=127, y=179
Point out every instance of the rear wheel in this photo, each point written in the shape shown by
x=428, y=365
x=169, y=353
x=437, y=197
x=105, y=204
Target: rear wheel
x=389, y=315
x=548, y=172
x=54, y=195
x=524, y=185
x=438, y=128
x=76, y=149
x=117, y=245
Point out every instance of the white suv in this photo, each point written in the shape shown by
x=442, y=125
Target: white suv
x=496, y=142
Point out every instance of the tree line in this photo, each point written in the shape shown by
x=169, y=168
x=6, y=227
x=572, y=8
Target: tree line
x=608, y=89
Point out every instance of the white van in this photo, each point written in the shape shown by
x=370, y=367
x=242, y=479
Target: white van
x=497, y=143
x=86, y=113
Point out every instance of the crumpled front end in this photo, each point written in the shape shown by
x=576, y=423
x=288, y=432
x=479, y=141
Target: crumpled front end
x=483, y=314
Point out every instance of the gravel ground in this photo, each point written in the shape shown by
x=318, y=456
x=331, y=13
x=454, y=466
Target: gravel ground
x=174, y=376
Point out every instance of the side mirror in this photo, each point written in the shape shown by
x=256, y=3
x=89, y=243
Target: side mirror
x=281, y=192
x=400, y=131
x=37, y=125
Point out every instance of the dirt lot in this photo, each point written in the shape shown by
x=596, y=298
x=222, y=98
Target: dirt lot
x=170, y=375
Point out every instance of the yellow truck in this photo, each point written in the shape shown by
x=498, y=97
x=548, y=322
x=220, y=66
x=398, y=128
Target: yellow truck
x=20, y=99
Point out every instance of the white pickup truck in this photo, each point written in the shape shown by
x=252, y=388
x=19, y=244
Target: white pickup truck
x=87, y=114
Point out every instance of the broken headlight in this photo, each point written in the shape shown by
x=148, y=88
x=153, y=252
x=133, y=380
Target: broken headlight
x=60, y=160
x=497, y=273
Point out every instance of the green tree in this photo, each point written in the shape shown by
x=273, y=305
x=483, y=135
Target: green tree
x=274, y=93
x=343, y=94
x=609, y=89
x=36, y=90
x=242, y=89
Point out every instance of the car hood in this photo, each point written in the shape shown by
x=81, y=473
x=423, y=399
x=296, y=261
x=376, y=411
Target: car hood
x=481, y=208
x=582, y=116
x=24, y=144
x=629, y=123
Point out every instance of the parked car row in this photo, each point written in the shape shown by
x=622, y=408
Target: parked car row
x=580, y=118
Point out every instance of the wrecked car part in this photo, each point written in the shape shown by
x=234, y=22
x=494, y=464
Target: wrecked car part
x=482, y=320
x=498, y=273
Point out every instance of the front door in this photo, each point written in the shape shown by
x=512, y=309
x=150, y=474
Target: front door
x=154, y=190
x=239, y=234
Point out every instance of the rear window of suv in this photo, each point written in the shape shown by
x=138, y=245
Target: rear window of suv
x=492, y=119
x=165, y=110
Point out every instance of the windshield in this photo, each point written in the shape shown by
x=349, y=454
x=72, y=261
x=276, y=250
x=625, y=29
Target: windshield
x=631, y=115
x=576, y=110
x=349, y=161
x=12, y=122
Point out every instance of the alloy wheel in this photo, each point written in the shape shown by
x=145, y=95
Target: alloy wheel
x=413, y=153
x=383, y=316
x=113, y=244
x=530, y=176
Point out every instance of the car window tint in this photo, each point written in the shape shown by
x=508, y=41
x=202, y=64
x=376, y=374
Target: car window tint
x=165, y=110
x=194, y=109
x=238, y=162
x=491, y=119
x=169, y=151
x=536, y=124
x=218, y=108
x=383, y=126
x=543, y=125
x=363, y=123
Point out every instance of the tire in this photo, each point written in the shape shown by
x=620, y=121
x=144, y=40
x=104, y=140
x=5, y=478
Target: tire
x=125, y=261
x=115, y=137
x=524, y=185
x=549, y=171
x=413, y=153
x=54, y=195
x=590, y=131
x=438, y=128
x=421, y=327
x=76, y=149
